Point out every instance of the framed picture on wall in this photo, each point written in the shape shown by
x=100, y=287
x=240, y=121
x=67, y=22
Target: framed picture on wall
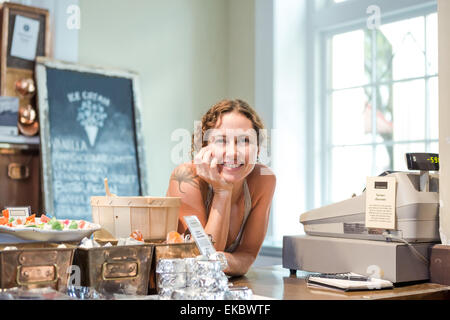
x=25, y=34
x=90, y=121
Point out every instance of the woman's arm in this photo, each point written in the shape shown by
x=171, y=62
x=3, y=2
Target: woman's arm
x=186, y=184
x=240, y=261
x=218, y=224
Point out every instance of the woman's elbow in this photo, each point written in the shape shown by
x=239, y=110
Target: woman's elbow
x=242, y=266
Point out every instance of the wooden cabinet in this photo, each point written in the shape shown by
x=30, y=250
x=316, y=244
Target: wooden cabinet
x=20, y=168
x=20, y=178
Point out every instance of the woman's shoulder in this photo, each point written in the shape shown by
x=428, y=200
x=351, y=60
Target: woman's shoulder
x=262, y=172
x=262, y=177
x=186, y=168
x=187, y=173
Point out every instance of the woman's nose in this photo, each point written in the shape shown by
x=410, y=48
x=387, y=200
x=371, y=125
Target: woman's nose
x=233, y=152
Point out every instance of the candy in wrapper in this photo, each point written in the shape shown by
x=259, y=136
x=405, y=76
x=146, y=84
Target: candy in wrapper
x=170, y=266
x=172, y=280
x=238, y=293
x=129, y=242
x=10, y=248
x=88, y=243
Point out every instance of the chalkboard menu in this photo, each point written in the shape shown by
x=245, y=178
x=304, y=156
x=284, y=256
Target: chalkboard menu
x=90, y=130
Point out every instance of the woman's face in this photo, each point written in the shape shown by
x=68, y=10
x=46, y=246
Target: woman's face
x=234, y=143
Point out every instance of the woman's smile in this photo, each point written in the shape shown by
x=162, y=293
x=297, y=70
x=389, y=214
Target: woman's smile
x=232, y=167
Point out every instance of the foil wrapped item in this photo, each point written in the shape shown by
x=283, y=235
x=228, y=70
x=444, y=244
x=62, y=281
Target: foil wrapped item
x=238, y=293
x=171, y=280
x=171, y=266
x=199, y=278
x=165, y=293
x=196, y=294
x=18, y=293
x=83, y=293
x=184, y=294
x=190, y=264
x=118, y=296
x=207, y=267
x=209, y=282
x=220, y=256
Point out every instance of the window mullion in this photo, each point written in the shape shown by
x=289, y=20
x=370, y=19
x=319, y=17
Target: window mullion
x=374, y=98
x=427, y=106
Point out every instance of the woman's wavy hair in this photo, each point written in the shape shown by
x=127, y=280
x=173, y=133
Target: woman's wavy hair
x=210, y=118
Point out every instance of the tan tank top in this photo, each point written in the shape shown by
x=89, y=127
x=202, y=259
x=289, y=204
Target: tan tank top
x=247, y=209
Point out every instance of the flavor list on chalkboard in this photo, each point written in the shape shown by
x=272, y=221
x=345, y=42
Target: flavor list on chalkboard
x=92, y=136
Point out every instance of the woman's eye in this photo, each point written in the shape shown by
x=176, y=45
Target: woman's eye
x=243, y=140
x=219, y=140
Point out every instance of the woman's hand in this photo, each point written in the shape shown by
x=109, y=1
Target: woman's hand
x=206, y=165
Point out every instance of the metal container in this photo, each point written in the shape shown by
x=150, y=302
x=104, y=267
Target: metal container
x=115, y=269
x=170, y=251
x=35, y=265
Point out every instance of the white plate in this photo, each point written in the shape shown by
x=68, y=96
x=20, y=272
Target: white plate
x=38, y=234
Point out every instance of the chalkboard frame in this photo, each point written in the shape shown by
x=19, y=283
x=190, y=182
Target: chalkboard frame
x=42, y=63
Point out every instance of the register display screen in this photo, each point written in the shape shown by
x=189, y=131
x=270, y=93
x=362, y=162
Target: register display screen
x=423, y=161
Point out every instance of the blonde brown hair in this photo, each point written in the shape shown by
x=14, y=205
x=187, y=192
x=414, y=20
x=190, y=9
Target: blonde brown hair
x=210, y=118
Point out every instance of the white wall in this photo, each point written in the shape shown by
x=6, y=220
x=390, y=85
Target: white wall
x=180, y=50
x=444, y=116
x=241, y=50
x=290, y=106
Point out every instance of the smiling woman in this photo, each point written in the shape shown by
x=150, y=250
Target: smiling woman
x=225, y=187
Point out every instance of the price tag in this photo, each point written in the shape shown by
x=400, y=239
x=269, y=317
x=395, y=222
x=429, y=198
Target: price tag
x=380, y=202
x=201, y=238
x=18, y=212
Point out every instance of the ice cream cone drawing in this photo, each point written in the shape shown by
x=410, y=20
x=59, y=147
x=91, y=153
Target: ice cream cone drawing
x=91, y=116
x=92, y=134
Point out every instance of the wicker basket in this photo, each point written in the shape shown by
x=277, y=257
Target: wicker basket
x=154, y=217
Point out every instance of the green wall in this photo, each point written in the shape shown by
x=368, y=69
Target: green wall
x=189, y=54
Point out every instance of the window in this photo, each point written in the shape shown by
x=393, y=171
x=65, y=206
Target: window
x=357, y=101
x=379, y=99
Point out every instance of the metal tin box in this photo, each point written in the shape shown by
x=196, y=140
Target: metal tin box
x=35, y=265
x=170, y=251
x=115, y=269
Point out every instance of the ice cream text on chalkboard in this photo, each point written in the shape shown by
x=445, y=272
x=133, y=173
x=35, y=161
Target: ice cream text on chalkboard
x=91, y=111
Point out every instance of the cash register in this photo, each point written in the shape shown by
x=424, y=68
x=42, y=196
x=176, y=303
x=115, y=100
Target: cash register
x=336, y=239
